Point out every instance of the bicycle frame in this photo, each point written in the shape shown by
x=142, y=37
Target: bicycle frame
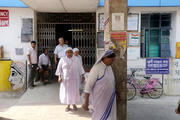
x=148, y=86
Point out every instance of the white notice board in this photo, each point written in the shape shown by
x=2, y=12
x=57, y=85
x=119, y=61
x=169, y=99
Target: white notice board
x=133, y=53
x=132, y=22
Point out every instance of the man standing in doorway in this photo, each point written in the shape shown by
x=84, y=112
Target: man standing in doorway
x=59, y=51
x=32, y=64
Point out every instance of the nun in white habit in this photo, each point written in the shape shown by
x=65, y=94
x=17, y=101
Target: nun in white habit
x=76, y=53
x=68, y=71
x=101, y=86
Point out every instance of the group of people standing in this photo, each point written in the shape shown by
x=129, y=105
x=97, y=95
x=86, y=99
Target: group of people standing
x=43, y=64
x=100, y=84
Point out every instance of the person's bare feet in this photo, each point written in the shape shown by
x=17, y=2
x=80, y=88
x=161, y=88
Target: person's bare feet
x=85, y=107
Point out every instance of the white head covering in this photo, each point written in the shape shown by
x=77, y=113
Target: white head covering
x=75, y=49
x=106, y=53
x=68, y=48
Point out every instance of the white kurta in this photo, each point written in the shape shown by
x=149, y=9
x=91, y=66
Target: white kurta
x=69, y=69
x=101, y=86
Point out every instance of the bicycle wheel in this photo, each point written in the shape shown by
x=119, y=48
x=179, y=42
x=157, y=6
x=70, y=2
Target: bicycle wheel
x=156, y=92
x=131, y=91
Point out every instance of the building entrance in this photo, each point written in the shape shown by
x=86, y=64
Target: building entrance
x=79, y=29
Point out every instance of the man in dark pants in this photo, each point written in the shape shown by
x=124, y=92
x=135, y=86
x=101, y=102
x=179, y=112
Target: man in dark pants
x=32, y=64
x=45, y=65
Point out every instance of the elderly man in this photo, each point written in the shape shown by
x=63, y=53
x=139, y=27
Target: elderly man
x=59, y=51
x=101, y=86
x=68, y=71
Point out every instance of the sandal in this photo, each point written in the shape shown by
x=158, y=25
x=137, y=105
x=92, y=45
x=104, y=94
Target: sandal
x=67, y=109
x=75, y=108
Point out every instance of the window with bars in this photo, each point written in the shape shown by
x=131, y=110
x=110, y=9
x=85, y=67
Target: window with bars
x=155, y=34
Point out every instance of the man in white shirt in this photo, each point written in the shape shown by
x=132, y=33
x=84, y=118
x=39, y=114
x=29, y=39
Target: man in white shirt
x=59, y=51
x=32, y=63
x=44, y=65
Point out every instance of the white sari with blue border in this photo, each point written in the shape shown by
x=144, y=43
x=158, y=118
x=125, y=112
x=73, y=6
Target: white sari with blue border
x=104, y=96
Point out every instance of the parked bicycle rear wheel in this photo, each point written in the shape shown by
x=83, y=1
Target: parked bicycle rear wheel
x=156, y=92
x=131, y=91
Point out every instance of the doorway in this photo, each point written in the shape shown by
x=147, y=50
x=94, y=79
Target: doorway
x=78, y=28
x=63, y=30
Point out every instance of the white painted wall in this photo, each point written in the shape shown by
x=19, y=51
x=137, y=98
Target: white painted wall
x=10, y=37
x=171, y=81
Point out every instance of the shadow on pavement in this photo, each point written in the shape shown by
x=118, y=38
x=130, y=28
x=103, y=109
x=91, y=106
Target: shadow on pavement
x=2, y=118
x=80, y=112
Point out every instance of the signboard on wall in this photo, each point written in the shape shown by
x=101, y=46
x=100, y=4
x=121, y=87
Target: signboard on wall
x=133, y=39
x=133, y=53
x=4, y=18
x=177, y=49
x=100, y=39
x=157, y=66
x=132, y=23
x=117, y=21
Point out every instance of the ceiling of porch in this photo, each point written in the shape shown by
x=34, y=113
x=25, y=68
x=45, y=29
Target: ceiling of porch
x=62, y=5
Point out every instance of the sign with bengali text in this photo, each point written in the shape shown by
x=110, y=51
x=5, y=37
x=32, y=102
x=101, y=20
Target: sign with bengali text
x=157, y=66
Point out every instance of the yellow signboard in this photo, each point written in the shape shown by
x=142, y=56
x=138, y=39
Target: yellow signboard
x=177, y=49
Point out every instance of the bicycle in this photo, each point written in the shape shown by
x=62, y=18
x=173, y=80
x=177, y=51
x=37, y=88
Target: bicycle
x=152, y=87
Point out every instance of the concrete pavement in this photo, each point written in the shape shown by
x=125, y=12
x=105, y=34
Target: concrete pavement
x=42, y=103
x=153, y=109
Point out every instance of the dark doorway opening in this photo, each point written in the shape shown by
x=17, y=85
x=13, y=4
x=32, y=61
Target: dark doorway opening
x=78, y=28
x=63, y=30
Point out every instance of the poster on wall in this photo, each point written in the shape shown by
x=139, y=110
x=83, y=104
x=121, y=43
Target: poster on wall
x=133, y=53
x=117, y=21
x=132, y=23
x=4, y=18
x=17, y=76
x=133, y=39
x=157, y=66
x=120, y=37
x=101, y=21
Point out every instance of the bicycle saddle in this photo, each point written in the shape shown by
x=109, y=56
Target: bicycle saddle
x=147, y=77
